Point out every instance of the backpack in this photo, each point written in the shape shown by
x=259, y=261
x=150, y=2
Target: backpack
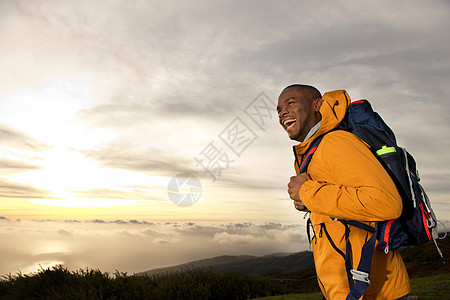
x=417, y=223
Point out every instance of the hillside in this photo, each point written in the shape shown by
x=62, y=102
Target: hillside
x=420, y=261
x=259, y=265
x=203, y=263
x=424, y=260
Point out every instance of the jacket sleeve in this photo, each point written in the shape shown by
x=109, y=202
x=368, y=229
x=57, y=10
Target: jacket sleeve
x=348, y=182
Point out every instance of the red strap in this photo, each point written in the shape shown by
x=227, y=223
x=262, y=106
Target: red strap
x=386, y=232
x=355, y=102
x=307, y=155
x=424, y=219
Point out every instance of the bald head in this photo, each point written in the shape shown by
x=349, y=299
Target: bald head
x=308, y=91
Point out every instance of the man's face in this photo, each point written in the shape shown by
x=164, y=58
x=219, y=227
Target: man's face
x=296, y=114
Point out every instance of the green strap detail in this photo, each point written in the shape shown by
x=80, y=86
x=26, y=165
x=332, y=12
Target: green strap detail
x=385, y=150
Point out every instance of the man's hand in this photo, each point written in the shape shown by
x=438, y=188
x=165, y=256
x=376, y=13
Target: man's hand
x=294, y=186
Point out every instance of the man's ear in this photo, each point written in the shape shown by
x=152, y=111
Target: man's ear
x=317, y=104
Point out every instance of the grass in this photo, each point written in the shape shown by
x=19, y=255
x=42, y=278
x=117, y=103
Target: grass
x=59, y=283
x=427, y=288
x=433, y=287
x=302, y=296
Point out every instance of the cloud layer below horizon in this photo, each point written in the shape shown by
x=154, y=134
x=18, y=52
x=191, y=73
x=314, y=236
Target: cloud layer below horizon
x=136, y=246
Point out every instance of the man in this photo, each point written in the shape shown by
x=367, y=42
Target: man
x=344, y=180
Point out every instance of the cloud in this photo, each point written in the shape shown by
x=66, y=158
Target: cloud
x=166, y=241
x=16, y=165
x=13, y=190
x=153, y=233
x=233, y=239
x=170, y=83
x=131, y=156
x=65, y=233
x=134, y=247
x=132, y=193
x=97, y=221
x=11, y=137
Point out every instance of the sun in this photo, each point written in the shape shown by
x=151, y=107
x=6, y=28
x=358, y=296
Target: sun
x=69, y=175
x=50, y=115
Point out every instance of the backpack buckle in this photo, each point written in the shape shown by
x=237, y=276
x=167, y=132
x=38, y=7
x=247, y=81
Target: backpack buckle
x=360, y=276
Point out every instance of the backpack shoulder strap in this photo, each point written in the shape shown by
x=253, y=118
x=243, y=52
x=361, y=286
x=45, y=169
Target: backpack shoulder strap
x=309, y=153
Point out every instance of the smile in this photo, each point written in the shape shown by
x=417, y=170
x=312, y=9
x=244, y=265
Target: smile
x=289, y=124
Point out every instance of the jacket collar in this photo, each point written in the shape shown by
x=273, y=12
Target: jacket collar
x=333, y=111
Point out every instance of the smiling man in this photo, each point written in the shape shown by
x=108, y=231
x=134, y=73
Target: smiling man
x=344, y=180
x=303, y=103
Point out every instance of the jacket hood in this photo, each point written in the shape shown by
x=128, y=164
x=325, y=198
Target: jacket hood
x=333, y=111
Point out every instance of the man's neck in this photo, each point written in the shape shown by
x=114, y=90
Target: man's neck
x=312, y=131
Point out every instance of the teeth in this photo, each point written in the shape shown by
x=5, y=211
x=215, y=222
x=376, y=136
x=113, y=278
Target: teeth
x=288, y=121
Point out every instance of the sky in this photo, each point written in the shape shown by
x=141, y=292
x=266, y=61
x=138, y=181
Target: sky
x=136, y=135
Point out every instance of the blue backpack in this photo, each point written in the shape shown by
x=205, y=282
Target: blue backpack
x=417, y=223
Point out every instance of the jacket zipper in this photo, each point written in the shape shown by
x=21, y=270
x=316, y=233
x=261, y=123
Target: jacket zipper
x=296, y=157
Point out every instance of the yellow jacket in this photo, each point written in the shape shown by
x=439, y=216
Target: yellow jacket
x=349, y=183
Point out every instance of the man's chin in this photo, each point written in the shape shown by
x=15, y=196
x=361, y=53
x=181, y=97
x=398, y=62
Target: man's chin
x=294, y=136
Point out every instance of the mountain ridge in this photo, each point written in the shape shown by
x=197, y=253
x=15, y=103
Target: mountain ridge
x=275, y=263
x=419, y=260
